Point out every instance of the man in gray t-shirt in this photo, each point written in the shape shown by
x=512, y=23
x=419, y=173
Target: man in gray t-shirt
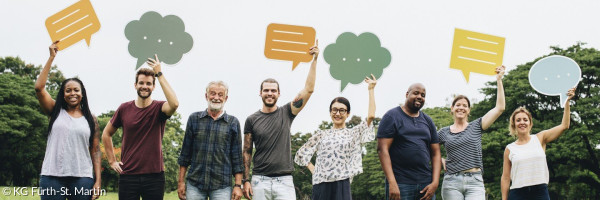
x=269, y=130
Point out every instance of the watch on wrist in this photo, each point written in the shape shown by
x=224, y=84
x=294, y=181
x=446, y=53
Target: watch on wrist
x=158, y=74
x=237, y=185
x=245, y=180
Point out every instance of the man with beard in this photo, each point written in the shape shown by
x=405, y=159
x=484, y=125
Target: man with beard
x=407, y=142
x=269, y=130
x=143, y=120
x=213, y=147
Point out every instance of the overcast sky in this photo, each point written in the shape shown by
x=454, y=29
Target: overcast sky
x=229, y=38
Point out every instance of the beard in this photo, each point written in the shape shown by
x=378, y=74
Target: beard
x=415, y=108
x=215, y=106
x=269, y=104
x=139, y=93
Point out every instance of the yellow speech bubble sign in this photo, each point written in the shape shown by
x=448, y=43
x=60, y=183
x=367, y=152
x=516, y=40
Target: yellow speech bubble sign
x=73, y=24
x=476, y=52
x=289, y=42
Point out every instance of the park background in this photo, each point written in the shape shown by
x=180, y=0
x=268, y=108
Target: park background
x=229, y=41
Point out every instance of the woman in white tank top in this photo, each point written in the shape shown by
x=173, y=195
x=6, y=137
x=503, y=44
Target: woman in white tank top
x=73, y=156
x=525, y=159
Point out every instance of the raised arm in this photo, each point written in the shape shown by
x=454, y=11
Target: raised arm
x=553, y=133
x=46, y=101
x=372, y=82
x=491, y=116
x=505, y=180
x=96, y=156
x=170, y=107
x=107, y=134
x=383, y=147
x=300, y=100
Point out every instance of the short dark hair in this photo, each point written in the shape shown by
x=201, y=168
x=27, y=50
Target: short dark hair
x=341, y=100
x=269, y=80
x=146, y=72
x=459, y=97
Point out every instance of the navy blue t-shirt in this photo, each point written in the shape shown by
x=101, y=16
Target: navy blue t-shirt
x=410, y=151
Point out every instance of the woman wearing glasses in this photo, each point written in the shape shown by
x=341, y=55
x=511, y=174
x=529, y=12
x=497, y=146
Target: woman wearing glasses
x=339, y=150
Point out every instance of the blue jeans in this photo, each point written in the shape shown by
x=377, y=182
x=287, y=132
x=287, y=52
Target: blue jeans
x=408, y=191
x=59, y=188
x=273, y=188
x=463, y=186
x=534, y=192
x=193, y=193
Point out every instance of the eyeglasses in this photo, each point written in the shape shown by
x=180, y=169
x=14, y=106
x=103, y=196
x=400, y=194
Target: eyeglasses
x=341, y=111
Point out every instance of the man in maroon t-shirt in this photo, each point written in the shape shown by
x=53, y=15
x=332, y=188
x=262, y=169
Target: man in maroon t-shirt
x=143, y=120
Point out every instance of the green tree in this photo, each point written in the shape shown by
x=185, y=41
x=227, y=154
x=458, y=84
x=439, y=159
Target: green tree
x=23, y=126
x=572, y=158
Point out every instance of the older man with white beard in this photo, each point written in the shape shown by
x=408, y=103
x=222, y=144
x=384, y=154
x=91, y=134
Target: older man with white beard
x=211, y=152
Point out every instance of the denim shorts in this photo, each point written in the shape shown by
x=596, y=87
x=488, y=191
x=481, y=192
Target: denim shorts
x=280, y=187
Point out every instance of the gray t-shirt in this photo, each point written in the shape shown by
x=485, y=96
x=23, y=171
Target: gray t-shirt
x=463, y=149
x=272, y=140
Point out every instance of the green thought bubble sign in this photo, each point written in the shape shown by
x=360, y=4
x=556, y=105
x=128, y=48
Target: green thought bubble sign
x=352, y=58
x=154, y=34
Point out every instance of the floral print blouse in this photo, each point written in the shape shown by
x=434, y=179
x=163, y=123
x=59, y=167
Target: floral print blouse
x=339, y=152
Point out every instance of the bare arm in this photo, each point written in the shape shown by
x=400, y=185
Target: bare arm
x=247, y=154
x=46, y=101
x=372, y=82
x=302, y=98
x=491, y=116
x=505, y=180
x=172, y=104
x=96, y=156
x=436, y=162
x=311, y=168
x=107, y=134
x=383, y=146
x=181, y=182
x=553, y=133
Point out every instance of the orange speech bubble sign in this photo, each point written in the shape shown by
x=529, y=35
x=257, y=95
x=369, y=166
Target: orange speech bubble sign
x=73, y=24
x=289, y=42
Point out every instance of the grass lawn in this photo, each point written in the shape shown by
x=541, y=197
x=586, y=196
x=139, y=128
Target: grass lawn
x=108, y=196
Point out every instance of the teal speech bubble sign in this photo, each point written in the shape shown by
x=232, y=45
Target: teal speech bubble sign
x=554, y=76
x=154, y=34
x=352, y=58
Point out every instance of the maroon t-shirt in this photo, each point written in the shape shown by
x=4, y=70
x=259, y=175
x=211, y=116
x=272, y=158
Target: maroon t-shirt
x=143, y=129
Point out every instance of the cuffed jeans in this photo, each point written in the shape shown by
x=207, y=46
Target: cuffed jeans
x=193, y=193
x=463, y=186
x=59, y=188
x=273, y=188
x=408, y=191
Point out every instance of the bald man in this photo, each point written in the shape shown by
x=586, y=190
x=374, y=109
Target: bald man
x=409, y=149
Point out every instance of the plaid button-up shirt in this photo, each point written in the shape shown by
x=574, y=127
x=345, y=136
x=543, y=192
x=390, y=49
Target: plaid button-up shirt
x=212, y=150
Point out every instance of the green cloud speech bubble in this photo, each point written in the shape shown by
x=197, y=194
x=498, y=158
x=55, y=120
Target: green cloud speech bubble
x=154, y=34
x=352, y=58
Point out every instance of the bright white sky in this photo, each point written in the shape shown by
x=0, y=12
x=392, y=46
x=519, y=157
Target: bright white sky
x=229, y=42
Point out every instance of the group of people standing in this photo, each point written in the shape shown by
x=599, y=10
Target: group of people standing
x=212, y=153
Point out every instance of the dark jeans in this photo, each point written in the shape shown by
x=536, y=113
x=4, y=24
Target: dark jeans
x=147, y=186
x=408, y=191
x=534, y=192
x=60, y=188
x=337, y=190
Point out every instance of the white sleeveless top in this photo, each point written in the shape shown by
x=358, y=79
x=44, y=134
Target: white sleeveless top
x=529, y=165
x=67, y=149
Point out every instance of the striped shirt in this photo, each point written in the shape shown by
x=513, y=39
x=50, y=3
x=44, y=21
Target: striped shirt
x=212, y=150
x=463, y=149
